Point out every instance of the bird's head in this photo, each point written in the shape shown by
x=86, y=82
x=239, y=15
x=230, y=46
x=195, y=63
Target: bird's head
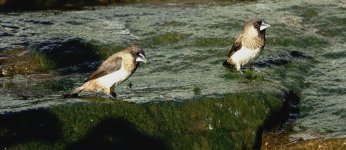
x=261, y=25
x=255, y=26
x=138, y=54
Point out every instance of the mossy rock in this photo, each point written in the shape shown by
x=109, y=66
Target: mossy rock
x=60, y=52
x=211, y=42
x=166, y=38
x=228, y=122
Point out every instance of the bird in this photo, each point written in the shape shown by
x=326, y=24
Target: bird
x=114, y=70
x=249, y=44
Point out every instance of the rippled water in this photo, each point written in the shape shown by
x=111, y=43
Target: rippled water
x=323, y=105
x=176, y=69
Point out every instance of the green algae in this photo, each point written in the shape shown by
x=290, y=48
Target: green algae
x=166, y=38
x=43, y=62
x=332, y=27
x=307, y=12
x=227, y=122
x=10, y=64
x=335, y=55
x=248, y=75
x=253, y=75
x=211, y=42
x=298, y=42
x=310, y=13
x=106, y=50
x=291, y=74
x=62, y=84
x=197, y=90
x=174, y=23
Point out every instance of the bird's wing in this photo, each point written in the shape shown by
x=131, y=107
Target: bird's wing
x=236, y=46
x=108, y=66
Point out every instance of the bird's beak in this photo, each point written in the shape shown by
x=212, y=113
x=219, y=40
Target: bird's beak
x=141, y=58
x=264, y=26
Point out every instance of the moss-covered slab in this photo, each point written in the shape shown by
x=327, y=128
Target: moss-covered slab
x=227, y=122
x=185, y=46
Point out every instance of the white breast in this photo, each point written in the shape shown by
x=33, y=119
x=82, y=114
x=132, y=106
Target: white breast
x=115, y=77
x=245, y=56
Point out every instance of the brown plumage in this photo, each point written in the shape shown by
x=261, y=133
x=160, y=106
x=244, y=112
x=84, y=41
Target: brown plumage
x=248, y=45
x=113, y=71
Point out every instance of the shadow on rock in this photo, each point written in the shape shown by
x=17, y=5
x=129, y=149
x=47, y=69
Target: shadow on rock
x=275, y=60
x=116, y=134
x=280, y=120
x=282, y=59
x=15, y=5
x=65, y=52
x=26, y=126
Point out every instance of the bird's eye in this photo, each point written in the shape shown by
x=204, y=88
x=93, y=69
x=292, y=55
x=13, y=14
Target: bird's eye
x=258, y=24
x=134, y=54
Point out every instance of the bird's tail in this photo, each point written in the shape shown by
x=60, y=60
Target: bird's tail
x=226, y=64
x=73, y=93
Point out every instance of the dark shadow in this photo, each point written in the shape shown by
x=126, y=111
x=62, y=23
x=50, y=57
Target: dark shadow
x=281, y=59
x=65, y=51
x=116, y=134
x=67, y=54
x=288, y=114
x=30, y=125
x=274, y=60
x=19, y=5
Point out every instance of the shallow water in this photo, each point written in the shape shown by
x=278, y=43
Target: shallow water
x=323, y=105
x=183, y=68
x=175, y=68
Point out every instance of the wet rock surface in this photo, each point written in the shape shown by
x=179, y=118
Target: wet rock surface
x=65, y=51
x=185, y=46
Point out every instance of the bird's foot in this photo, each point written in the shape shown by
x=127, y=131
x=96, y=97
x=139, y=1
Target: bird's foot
x=241, y=70
x=255, y=69
x=113, y=94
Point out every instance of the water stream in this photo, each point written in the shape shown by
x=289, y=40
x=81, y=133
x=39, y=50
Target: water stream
x=190, y=66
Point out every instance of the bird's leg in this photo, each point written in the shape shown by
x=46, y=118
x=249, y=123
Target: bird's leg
x=237, y=66
x=113, y=94
x=110, y=92
x=253, y=67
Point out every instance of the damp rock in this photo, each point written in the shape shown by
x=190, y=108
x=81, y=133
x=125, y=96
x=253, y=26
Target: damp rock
x=9, y=25
x=41, y=22
x=80, y=68
x=64, y=51
x=4, y=33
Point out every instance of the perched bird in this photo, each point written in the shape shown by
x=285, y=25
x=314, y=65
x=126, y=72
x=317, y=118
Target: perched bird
x=248, y=45
x=113, y=71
